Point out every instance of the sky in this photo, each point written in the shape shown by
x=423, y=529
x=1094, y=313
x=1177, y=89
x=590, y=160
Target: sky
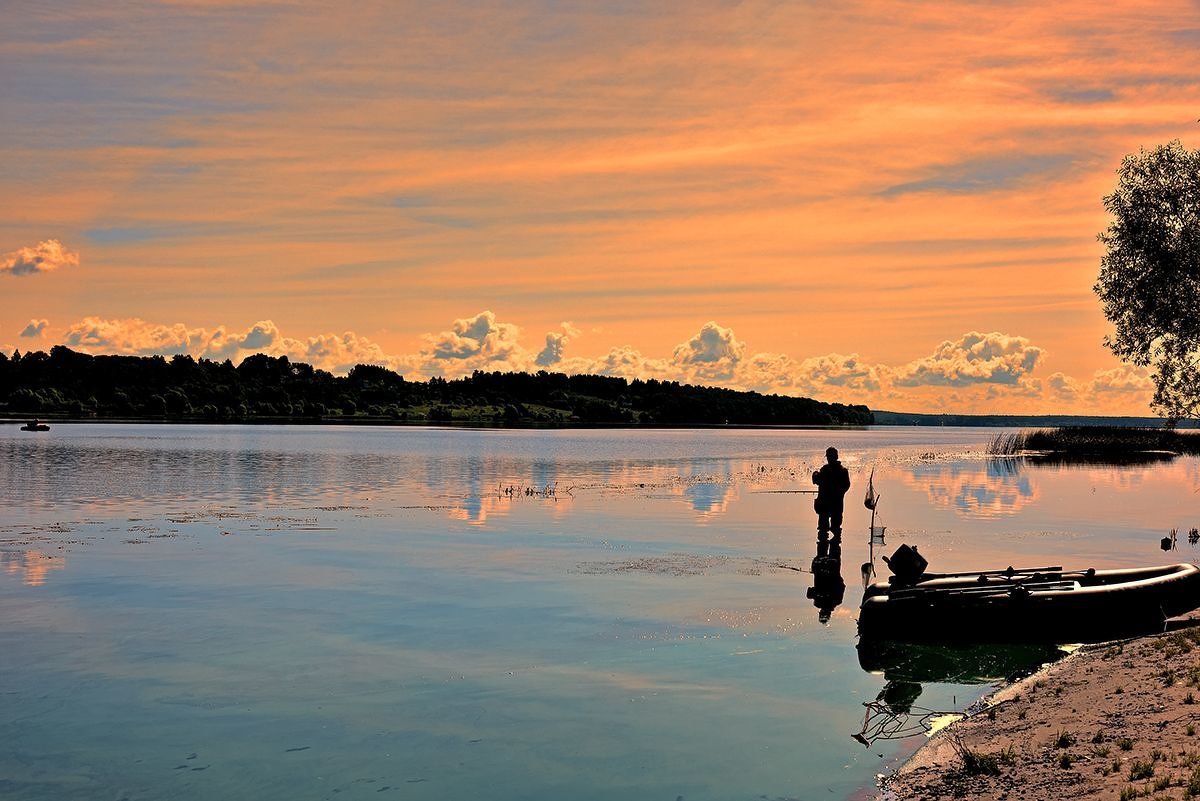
x=890, y=203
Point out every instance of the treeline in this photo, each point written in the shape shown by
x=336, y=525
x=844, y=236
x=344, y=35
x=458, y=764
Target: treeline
x=78, y=385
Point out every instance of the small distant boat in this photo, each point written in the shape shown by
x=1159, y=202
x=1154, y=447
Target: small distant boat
x=35, y=425
x=1041, y=604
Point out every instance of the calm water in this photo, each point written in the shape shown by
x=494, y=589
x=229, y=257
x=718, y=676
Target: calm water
x=200, y=612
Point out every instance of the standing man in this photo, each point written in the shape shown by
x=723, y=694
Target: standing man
x=832, y=480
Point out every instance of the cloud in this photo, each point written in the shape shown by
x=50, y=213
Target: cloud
x=339, y=353
x=134, y=336
x=771, y=373
x=262, y=337
x=1121, y=380
x=556, y=343
x=978, y=372
x=976, y=358
x=624, y=361
x=713, y=354
x=482, y=342
x=35, y=328
x=835, y=370
x=42, y=258
x=1109, y=390
x=829, y=377
x=1063, y=387
x=986, y=174
x=476, y=338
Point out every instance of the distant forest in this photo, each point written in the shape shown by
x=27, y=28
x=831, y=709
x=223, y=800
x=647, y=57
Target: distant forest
x=273, y=389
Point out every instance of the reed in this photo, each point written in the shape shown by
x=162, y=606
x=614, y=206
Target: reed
x=1112, y=441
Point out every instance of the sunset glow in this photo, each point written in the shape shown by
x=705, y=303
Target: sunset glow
x=880, y=203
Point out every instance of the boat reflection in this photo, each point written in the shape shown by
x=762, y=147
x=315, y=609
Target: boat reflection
x=906, y=667
x=976, y=663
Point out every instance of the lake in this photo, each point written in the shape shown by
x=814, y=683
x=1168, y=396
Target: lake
x=216, y=612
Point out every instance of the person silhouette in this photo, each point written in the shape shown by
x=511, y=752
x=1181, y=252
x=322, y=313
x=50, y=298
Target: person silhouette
x=833, y=481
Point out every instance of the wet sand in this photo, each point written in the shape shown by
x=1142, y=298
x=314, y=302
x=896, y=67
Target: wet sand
x=1108, y=721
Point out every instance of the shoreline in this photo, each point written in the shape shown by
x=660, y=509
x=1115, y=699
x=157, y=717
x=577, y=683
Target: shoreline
x=1108, y=721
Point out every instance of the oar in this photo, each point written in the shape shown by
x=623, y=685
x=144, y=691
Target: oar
x=1006, y=571
x=982, y=589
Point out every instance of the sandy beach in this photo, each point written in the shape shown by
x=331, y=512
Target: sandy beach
x=1118, y=720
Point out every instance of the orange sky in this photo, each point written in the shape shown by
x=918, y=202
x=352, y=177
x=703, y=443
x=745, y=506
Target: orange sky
x=887, y=203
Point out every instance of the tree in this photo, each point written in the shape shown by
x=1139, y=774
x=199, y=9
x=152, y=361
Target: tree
x=1149, y=283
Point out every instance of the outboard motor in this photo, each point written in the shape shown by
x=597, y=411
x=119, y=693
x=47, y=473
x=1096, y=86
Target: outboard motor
x=906, y=564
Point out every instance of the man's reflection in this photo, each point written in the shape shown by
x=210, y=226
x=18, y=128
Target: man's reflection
x=828, y=588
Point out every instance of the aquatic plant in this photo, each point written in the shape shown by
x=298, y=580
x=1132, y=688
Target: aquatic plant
x=1006, y=443
x=1103, y=442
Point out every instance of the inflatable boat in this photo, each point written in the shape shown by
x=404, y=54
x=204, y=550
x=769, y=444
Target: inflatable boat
x=1043, y=604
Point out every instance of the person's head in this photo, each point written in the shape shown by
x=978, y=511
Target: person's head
x=831, y=455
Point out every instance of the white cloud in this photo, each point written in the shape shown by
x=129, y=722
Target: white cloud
x=337, y=353
x=835, y=370
x=975, y=358
x=35, y=329
x=41, y=258
x=475, y=337
x=975, y=373
x=1124, y=379
x=625, y=362
x=712, y=355
x=1064, y=387
x=556, y=344
x=474, y=343
x=771, y=372
x=482, y=342
x=134, y=336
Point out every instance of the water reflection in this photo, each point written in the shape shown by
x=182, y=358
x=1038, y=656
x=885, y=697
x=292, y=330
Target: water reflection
x=991, y=490
x=708, y=498
x=275, y=589
x=31, y=565
x=1014, y=464
x=828, y=588
x=924, y=663
x=907, y=667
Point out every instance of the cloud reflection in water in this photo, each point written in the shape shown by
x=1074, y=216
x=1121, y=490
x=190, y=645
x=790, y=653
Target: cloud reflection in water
x=986, y=490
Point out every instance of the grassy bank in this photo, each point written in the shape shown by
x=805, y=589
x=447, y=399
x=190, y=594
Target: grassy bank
x=1095, y=441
